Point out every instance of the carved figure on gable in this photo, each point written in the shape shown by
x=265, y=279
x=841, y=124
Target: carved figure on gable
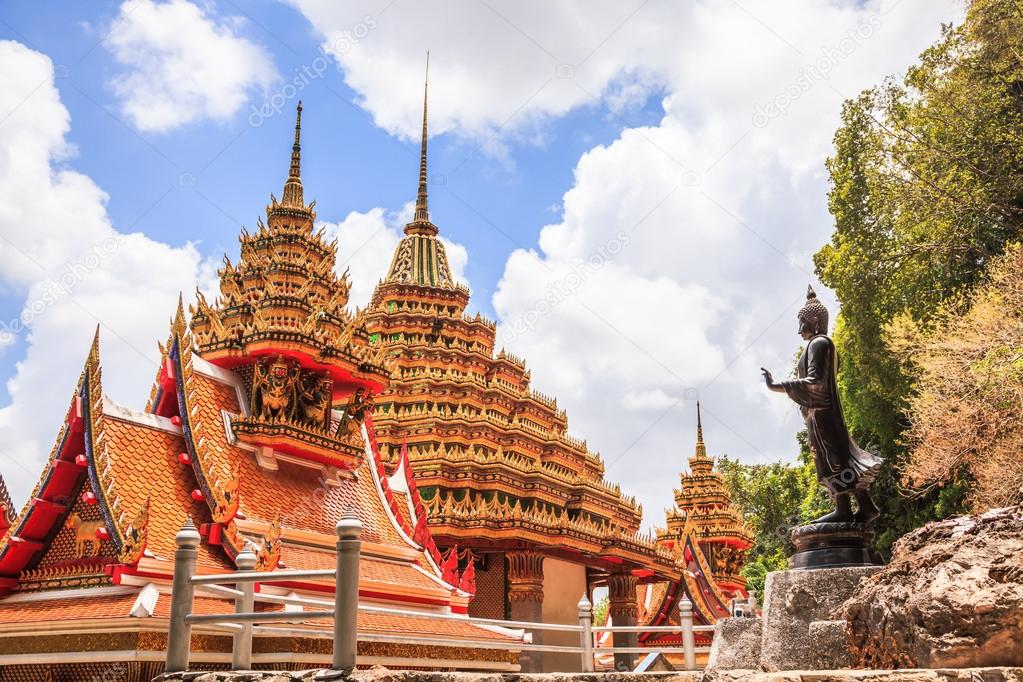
x=314, y=400
x=359, y=405
x=274, y=390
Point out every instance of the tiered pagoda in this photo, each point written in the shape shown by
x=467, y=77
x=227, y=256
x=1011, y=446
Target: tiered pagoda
x=240, y=435
x=501, y=480
x=708, y=534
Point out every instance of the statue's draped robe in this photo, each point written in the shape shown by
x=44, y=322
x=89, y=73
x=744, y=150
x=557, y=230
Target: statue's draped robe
x=842, y=466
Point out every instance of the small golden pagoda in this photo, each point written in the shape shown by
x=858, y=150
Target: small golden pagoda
x=503, y=483
x=704, y=501
x=709, y=536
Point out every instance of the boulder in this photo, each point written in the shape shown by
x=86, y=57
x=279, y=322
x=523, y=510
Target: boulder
x=952, y=597
x=945, y=675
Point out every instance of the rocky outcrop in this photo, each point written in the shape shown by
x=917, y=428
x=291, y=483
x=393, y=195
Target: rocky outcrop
x=385, y=675
x=952, y=596
x=381, y=674
x=946, y=675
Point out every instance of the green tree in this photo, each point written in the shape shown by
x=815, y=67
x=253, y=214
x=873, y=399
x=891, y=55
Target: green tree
x=600, y=611
x=967, y=401
x=773, y=498
x=926, y=188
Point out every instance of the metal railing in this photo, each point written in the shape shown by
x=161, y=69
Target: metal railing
x=245, y=622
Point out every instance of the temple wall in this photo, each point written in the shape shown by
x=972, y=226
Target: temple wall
x=564, y=584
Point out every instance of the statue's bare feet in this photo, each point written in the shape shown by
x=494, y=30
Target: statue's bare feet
x=842, y=514
x=834, y=517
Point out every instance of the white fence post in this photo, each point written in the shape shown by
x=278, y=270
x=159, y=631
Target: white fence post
x=179, y=637
x=685, y=619
x=241, y=658
x=586, y=636
x=346, y=592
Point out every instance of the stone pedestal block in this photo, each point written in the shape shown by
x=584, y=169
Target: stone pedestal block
x=792, y=601
x=736, y=644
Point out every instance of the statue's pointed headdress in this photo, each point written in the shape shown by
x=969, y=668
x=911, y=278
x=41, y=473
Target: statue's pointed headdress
x=814, y=311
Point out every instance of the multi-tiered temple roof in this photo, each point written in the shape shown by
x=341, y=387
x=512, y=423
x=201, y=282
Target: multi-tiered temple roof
x=494, y=460
x=240, y=435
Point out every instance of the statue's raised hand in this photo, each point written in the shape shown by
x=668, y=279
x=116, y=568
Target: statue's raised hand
x=769, y=379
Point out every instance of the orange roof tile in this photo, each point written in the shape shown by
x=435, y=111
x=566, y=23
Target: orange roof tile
x=376, y=570
x=145, y=465
x=66, y=609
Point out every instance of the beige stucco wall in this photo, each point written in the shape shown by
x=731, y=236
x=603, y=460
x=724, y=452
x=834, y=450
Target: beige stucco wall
x=564, y=584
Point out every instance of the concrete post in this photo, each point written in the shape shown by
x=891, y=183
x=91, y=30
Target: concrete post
x=346, y=592
x=685, y=619
x=180, y=634
x=586, y=636
x=241, y=658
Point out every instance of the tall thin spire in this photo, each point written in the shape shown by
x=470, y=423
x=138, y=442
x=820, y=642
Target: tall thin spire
x=701, y=449
x=421, y=219
x=293, y=195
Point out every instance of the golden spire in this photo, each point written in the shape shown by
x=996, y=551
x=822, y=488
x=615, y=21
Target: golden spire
x=421, y=220
x=293, y=195
x=701, y=449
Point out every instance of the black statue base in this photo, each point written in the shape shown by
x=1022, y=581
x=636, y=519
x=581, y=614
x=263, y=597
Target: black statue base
x=833, y=545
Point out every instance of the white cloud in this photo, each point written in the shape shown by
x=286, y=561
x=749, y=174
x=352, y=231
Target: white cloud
x=60, y=252
x=182, y=65
x=722, y=201
x=366, y=243
x=495, y=67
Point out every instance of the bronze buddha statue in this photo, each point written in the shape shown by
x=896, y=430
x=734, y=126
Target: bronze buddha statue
x=843, y=468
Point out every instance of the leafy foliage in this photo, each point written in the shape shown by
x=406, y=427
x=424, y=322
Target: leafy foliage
x=600, y=611
x=927, y=188
x=966, y=408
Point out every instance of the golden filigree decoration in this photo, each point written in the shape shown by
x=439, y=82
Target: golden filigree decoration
x=269, y=553
x=135, y=537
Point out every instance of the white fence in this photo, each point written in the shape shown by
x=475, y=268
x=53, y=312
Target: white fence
x=246, y=622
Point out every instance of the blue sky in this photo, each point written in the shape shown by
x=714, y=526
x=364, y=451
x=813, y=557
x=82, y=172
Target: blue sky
x=348, y=162
x=633, y=192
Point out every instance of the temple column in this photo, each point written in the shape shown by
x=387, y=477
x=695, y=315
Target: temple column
x=623, y=610
x=525, y=599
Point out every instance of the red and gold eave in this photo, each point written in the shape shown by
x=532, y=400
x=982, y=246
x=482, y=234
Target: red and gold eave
x=79, y=461
x=138, y=476
x=658, y=602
